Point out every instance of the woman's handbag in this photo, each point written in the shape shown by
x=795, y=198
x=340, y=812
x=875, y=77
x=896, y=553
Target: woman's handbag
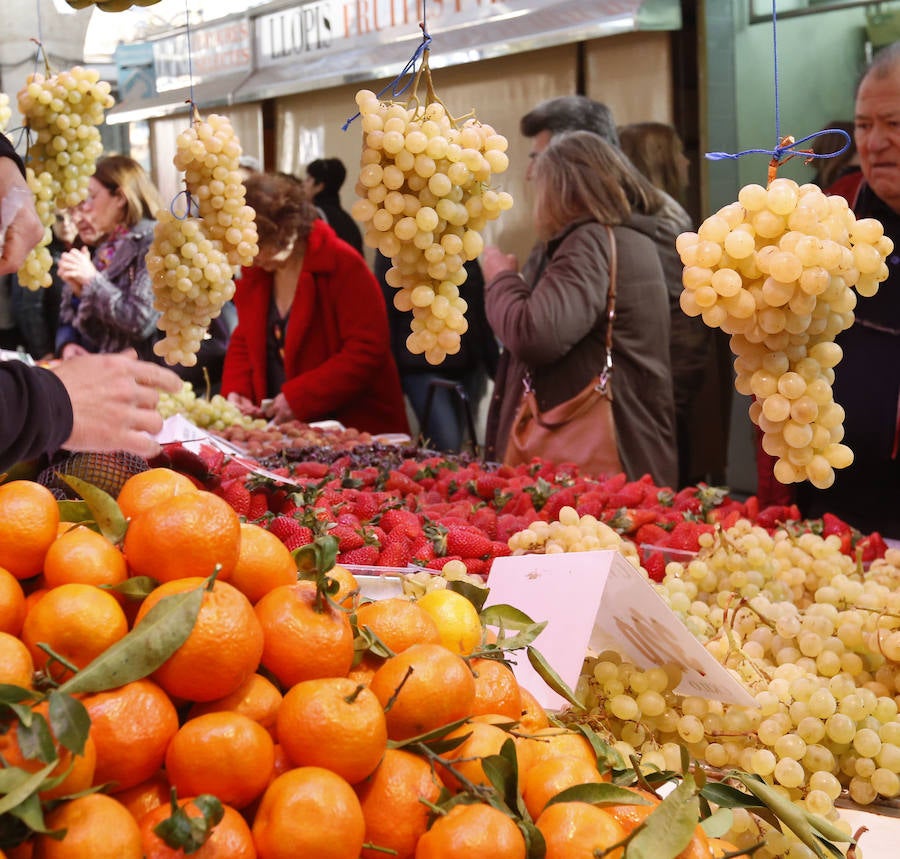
x=580, y=430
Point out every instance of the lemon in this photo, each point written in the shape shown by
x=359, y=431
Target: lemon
x=456, y=618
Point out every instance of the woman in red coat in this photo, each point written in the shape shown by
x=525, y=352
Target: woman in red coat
x=312, y=332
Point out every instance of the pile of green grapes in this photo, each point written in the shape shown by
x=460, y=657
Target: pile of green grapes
x=424, y=198
x=776, y=270
x=214, y=413
x=816, y=641
x=193, y=259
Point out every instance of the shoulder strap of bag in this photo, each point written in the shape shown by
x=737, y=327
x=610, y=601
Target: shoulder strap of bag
x=606, y=372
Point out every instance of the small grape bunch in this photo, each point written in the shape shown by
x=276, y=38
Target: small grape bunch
x=777, y=270
x=193, y=259
x=425, y=196
x=61, y=112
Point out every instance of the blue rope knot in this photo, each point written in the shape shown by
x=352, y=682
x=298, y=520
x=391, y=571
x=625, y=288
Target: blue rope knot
x=790, y=150
x=408, y=72
x=189, y=203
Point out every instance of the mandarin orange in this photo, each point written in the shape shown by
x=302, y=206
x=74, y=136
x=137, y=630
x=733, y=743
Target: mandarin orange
x=148, y=488
x=82, y=555
x=77, y=621
x=303, y=640
x=192, y=534
x=335, y=723
x=496, y=689
x=12, y=603
x=578, y=830
x=16, y=664
x=257, y=697
x=399, y=623
x=309, y=811
x=264, y=563
x=393, y=800
x=222, y=753
x=131, y=727
x=551, y=776
x=474, y=831
x=97, y=827
x=230, y=838
x=427, y=685
x=29, y=517
x=223, y=648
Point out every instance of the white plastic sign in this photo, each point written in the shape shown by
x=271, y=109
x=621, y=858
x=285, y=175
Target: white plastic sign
x=599, y=601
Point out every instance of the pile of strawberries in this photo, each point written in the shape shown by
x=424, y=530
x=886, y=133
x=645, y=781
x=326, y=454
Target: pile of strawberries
x=427, y=511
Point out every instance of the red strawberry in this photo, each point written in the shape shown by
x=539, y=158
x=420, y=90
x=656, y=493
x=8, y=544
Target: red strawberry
x=438, y=563
x=290, y=532
x=485, y=519
x=400, y=483
x=507, y=525
x=258, y=506
x=367, y=505
x=488, y=485
x=476, y=566
x=347, y=536
x=651, y=535
x=630, y=495
x=423, y=549
x=364, y=556
x=561, y=498
x=685, y=536
x=406, y=520
x=467, y=541
x=237, y=495
x=396, y=550
x=310, y=469
x=655, y=565
x=499, y=549
x=871, y=547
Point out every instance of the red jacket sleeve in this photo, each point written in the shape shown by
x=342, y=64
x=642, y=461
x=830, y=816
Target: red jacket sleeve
x=237, y=375
x=355, y=310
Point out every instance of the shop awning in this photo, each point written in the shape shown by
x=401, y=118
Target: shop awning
x=215, y=92
x=510, y=30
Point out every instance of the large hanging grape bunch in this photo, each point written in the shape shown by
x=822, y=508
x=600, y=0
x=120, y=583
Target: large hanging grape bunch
x=193, y=259
x=775, y=270
x=61, y=112
x=425, y=195
x=5, y=111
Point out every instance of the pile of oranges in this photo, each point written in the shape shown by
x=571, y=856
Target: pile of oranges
x=314, y=748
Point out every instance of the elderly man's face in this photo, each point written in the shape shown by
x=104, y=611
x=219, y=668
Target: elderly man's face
x=878, y=134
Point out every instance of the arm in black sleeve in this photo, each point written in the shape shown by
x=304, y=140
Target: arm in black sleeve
x=7, y=150
x=35, y=412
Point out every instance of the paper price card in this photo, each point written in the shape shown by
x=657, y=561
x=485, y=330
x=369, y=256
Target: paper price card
x=597, y=600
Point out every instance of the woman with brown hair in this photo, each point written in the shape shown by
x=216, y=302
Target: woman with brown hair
x=107, y=301
x=658, y=152
x=552, y=318
x=312, y=333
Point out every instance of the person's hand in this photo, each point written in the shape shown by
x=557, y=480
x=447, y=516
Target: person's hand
x=25, y=229
x=114, y=401
x=75, y=267
x=245, y=404
x=72, y=350
x=494, y=262
x=279, y=410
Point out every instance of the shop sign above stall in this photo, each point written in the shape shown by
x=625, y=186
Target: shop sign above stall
x=208, y=52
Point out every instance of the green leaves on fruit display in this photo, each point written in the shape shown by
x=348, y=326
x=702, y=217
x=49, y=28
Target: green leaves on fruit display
x=185, y=833
x=670, y=827
x=551, y=678
x=159, y=634
x=102, y=507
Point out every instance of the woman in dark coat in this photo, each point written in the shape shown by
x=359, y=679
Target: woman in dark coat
x=551, y=318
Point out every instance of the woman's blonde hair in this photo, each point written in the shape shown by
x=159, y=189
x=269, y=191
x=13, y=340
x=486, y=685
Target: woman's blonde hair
x=580, y=175
x=655, y=149
x=124, y=174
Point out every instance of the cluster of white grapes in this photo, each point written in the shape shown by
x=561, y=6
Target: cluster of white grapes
x=571, y=533
x=5, y=111
x=215, y=413
x=424, y=198
x=418, y=584
x=193, y=259
x=775, y=270
x=62, y=112
x=815, y=640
